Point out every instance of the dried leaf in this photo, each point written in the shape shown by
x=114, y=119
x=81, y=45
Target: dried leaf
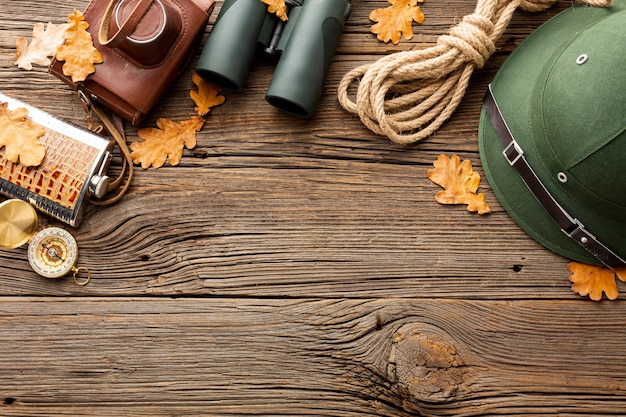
x=396, y=20
x=44, y=44
x=593, y=280
x=165, y=142
x=21, y=136
x=207, y=95
x=78, y=51
x=460, y=183
x=277, y=6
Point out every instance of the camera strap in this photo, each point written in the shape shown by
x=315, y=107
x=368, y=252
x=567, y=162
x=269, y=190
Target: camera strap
x=116, y=128
x=126, y=28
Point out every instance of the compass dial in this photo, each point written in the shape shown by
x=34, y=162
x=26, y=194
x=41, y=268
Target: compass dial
x=52, y=252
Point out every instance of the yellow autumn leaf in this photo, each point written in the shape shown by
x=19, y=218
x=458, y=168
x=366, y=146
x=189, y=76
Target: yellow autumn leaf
x=44, y=44
x=593, y=280
x=20, y=136
x=165, y=142
x=278, y=7
x=78, y=51
x=207, y=95
x=460, y=183
x=396, y=20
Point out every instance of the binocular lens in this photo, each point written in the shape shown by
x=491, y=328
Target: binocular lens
x=220, y=80
x=288, y=106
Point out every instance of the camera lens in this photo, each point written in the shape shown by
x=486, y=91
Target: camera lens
x=153, y=34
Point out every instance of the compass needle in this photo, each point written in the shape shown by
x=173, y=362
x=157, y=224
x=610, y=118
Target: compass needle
x=53, y=252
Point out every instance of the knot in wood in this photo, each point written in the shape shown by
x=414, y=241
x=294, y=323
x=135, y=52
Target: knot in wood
x=425, y=366
x=472, y=37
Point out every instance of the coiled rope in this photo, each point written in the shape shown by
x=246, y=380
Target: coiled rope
x=408, y=95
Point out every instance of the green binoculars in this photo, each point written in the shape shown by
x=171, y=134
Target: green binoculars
x=305, y=45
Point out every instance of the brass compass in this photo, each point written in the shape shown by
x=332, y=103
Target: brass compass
x=52, y=252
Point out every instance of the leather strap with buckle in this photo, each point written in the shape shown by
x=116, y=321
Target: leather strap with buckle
x=127, y=27
x=571, y=226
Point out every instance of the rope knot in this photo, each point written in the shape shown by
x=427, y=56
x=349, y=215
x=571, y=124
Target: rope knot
x=472, y=37
x=408, y=95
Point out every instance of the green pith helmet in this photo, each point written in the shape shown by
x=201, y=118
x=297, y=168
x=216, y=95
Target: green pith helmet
x=552, y=134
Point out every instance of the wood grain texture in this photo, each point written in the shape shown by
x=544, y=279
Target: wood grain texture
x=300, y=267
x=232, y=356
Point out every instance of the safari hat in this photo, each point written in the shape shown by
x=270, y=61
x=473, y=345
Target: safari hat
x=552, y=134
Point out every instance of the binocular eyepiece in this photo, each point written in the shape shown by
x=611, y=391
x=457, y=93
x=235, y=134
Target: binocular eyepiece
x=305, y=45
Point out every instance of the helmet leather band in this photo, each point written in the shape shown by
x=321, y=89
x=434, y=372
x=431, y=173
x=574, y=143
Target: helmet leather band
x=571, y=226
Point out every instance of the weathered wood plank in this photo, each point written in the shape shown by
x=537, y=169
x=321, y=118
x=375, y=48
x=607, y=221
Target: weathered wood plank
x=292, y=267
x=225, y=237
x=391, y=356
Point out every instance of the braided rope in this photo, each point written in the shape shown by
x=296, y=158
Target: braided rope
x=408, y=95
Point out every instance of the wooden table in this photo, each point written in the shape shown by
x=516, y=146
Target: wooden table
x=300, y=267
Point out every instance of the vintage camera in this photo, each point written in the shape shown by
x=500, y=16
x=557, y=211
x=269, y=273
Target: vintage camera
x=145, y=44
x=304, y=45
x=73, y=170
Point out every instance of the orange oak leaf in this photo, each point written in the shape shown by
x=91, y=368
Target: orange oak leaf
x=278, y=7
x=20, y=136
x=166, y=142
x=396, y=20
x=78, y=51
x=44, y=44
x=593, y=280
x=207, y=95
x=460, y=183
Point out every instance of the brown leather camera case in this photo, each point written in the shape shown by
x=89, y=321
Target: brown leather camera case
x=137, y=72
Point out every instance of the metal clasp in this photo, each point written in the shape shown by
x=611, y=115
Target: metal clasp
x=513, y=152
x=85, y=100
